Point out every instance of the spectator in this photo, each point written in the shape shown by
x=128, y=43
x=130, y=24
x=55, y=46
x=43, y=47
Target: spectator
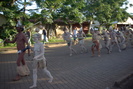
x=75, y=35
x=28, y=36
x=44, y=35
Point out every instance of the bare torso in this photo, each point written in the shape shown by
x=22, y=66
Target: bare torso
x=66, y=36
x=20, y=41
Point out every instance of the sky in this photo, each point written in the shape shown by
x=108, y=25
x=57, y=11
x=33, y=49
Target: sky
x=130, y=9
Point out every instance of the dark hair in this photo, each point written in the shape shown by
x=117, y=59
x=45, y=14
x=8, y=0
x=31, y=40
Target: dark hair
x=22, y=28
x=65, y=28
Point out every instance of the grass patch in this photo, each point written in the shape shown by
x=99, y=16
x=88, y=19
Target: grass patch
x=88, y=38
x=89, y=35
x=8, y=45
x=54, y=40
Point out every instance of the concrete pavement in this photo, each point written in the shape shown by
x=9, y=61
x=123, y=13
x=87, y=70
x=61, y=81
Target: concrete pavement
x=80, y=71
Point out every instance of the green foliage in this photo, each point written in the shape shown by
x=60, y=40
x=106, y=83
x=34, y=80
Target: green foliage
x=69, y=11
x=53, y=40
x=7, y=32
x=89, y=35
x=13, y=11
x=105, y=11
x=1, y=42
x=10, y=45
x=66, y=10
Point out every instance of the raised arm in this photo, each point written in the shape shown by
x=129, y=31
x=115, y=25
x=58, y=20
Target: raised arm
x=13, y=41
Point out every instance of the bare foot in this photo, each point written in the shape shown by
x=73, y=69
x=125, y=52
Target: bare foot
x=50, y=80
x=17, y=78
x=33, y=86
x=70, y=54
x=119, y=50
x=99, y=55
x=92, y=55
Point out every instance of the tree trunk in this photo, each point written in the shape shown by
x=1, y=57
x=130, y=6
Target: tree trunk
x=54, y=29
x=48, y=32
x=70, y=28
x=89, y=27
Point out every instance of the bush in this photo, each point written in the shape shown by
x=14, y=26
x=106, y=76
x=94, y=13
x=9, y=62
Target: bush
x=89, y=35
x=55, y=40
x=1, y=42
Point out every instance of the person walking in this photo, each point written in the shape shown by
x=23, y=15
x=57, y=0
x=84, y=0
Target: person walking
x=114, y=40
x=39, y=60
x=96, y=43
x=75, y=35
x=67, y=37
x=28, y=34
x=106, y=39
x=122, y=40
x=80, y=36
x=44, y=35
x=21, y=40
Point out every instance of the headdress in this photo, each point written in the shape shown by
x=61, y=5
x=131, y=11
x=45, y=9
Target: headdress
x=19, y=24
x=37, y=35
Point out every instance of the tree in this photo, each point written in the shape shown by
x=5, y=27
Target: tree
x=69, y=11
x=65, y=10
x=105, y=11
x=12, y=11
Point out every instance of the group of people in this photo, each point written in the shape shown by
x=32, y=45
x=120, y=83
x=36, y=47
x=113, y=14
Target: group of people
x=121, y=37
x=78, y=36
x=44, y=33
x=39, y=60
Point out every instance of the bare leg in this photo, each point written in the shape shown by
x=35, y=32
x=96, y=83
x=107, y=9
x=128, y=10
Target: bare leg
x=20, y=59
x=123, y=44
x=118, y=47
x=107, y=46
x=70, y=49
x=34, y=78
x=49, y=74
x=18, y=77
x=92, y=49
x=75, y=41
x=83, y=48
x=73, y=50
x=19, y=68
x=108, y=50
x=98, y=49
x=111, y=46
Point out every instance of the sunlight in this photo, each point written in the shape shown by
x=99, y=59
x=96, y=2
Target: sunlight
x=130, y=9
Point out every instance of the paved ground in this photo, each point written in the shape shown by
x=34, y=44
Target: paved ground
x=81, y=71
